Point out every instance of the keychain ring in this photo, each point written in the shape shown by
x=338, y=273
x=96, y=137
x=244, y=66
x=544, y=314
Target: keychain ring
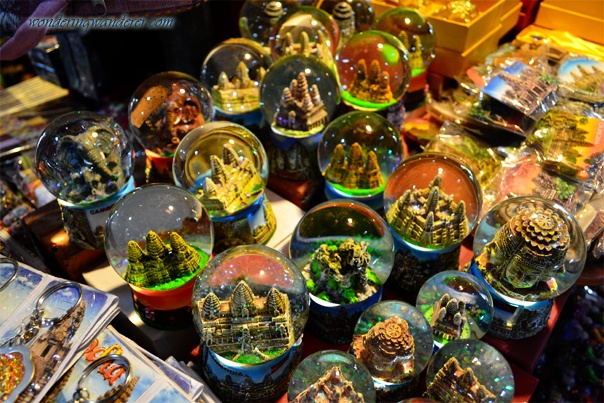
x=51, y=290
x=15, y=265
x=120, y=359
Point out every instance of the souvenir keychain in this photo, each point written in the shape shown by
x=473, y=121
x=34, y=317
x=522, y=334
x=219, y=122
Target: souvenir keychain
x=16, y=266
x=81, y=394
x=16, y=361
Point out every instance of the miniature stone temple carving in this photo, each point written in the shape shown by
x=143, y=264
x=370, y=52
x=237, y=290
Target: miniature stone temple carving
x=456, y=385
x=239, y=92
x=526, y=254
x=429, y=216
x=353, y=171
x=343, y=14
x=246, y=324
x=330, y=388
x=231, y=183
x=387, y=350
x=318, y=49
x=449, y=317
x=415, y=50
x=301, y=109
x=161, y=263
x=372, y=87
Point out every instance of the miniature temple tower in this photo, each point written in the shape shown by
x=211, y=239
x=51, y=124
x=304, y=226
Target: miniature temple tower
x=354, y=171
x=332, y=387
x=374, y=87
x=301, y=109
x=449, y=317
x=454, y=384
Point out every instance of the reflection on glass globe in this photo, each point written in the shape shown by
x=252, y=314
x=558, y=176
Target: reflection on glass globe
x=352, y=16
x=331, y=372
x=165, y=107
x=357, y=154
x=414, y=31
x=258, y=17
x=250, y=304
x=472, y=366
x=374, y=71
x=224, y=164
x=457, y=306
x=419, y=400
x=529, y=249
x=84, y=157
x=344, y=250
x=232, y=72
x=394, y=341
x=432, y=201
x=287, y=85
x=307, y=31
x=158, y=237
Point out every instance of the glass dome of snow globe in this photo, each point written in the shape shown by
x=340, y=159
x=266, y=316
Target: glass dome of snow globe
x=287, y=83
x=256, y=285
x=306, y=30
x=529, y=249
x=325, y=373
x=232, y=72
x=414, y=31
x=432, y=178
x=84, y=157
x=258, y=17
x=394, y=341
x=165, y=107
x=373, y=68
x=339, y=230
x=365, y=141
x=472, y=366
x=352, y=16
x=158, y=238
x=457, y=306
x=419, y=400
x=217, y=148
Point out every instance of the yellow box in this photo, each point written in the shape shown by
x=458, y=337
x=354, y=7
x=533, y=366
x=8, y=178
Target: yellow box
x=450, y=63
x=509, y=20
x=581, y=25
x=592, y=8
x=509, y=5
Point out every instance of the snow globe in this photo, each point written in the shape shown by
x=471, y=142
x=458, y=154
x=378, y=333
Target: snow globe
x=457, y=306
x=394, y=341
x=374, y=71
x=258, y=17
x=250, y=306
x=232, y=72
x=527, y=250
x=357, y=154
x=306, y=31
x=86, y=161
x=299, y=97
x=432, y=204
x=162, y=110
x=469, y=370
x=344, y=251
x=331, y=376
x=226, y=167
x=158, y=239
x=350, y=15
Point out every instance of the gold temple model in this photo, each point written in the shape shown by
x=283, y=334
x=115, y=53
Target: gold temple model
x=449, y=317
x=429, y=216
x=456, y=385
x=332, y=387
x=241, y=93
x=415, y=56
x=301, y=109
x=588, y=80
x=374, y=87
x=352, y=171
x=318, y=49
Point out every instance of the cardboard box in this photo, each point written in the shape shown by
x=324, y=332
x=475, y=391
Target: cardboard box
x=592, y=8
x=450, y=63
x=509, y=20
x=581, y=25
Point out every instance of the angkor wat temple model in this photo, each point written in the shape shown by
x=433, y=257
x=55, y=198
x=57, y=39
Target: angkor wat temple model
x=526, y=253
x=337, y=264
x=526, y=90
x=318, y=49
x=343, y=14
x=374, y=87
x=301, y=109
x=162, y=263
x=448, y=318
x=353, y=172
x=453, y=384
x=247, y=324
x=415, y=55
x=387, y=350
x=330, y=388
x=429, y=217
x=231, y=184
x=240, y=93
x=588, y=80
